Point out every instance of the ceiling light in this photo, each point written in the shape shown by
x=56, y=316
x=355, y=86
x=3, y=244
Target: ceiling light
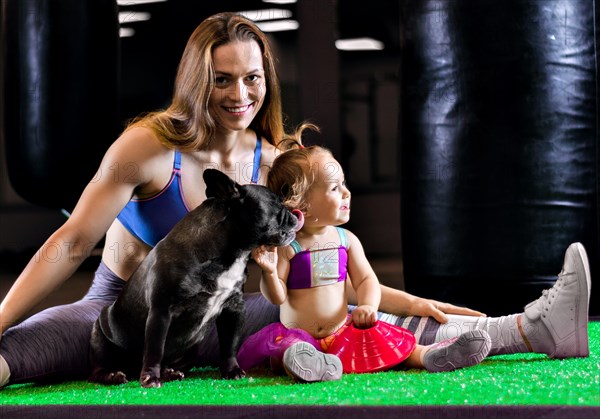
x=126, y=32
x=359, y=44
x=132, y=16
x=280, y=1
x=278, y=25
x=135, y=2
x=266, y=14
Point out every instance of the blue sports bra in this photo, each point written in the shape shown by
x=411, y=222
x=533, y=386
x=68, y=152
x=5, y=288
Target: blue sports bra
x=150, y=219
x=318, y=267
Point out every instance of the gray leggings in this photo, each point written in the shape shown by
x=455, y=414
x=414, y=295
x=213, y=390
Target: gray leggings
x=53, y=345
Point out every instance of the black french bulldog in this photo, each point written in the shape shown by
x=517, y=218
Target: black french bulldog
x=192, y=276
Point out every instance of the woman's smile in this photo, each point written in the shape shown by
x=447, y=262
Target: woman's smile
x=239, y=110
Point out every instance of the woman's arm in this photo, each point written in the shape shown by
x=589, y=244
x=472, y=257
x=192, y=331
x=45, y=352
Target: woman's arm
x=61, y=255
x=401, y=303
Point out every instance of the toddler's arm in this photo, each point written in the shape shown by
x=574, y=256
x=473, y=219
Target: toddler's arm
x=272, y=263
x=365, y=283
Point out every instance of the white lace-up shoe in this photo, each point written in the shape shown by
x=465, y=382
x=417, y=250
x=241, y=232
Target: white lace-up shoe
x=465, y=350
x=557, y=323
x=305, y=363
x=4, y=372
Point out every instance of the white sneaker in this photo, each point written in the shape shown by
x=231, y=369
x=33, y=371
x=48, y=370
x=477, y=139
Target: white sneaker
x=305, y=363
x=4, y=372
x=558, y=320
x=465, y=350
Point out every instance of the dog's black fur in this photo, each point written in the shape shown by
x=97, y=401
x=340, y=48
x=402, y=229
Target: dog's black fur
x=192, y=276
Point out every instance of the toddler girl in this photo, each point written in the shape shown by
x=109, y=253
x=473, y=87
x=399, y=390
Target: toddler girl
x=307, y=279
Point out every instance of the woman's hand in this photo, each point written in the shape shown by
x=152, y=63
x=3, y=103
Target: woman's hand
x=401, y=303
x=431, y=308
x=364, y=316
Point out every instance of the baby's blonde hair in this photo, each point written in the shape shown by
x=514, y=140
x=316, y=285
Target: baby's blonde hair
x=293, y=173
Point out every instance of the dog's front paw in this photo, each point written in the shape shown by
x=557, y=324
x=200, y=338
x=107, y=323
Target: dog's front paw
x=150, y=381
x=117, y=378
x=169, y=374
x=233, y=372
x=109, y=378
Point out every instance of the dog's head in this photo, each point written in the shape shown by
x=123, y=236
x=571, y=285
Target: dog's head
x=255, y=210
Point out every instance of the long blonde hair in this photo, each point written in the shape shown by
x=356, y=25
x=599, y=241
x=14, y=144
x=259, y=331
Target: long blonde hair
x=187, y=124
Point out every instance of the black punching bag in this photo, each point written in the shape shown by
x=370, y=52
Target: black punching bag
x=60, y=94
x=500, y=136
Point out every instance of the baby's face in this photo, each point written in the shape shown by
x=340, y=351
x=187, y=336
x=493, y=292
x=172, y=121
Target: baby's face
x=328, y=198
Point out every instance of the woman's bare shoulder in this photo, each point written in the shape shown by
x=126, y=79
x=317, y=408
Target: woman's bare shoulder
x=138, y=144
x=138, y=150
x=269, y=153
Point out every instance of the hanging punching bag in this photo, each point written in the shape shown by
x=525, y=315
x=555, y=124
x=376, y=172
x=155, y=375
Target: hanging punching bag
x=60, y=95
x=499, y=131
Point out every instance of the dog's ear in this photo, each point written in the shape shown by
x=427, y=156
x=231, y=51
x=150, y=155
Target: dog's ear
x=219, y=185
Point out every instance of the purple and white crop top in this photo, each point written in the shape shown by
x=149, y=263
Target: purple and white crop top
x=318, y=267
x=150, y=219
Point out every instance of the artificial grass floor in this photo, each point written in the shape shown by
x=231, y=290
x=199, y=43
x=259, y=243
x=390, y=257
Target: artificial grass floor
x=520, y=379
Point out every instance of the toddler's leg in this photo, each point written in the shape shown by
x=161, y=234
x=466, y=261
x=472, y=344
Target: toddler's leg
x=270, y=342
x=51, y=345
x=466, y=350
x=260, y=346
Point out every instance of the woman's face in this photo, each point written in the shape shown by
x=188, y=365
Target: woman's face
x=240, y=85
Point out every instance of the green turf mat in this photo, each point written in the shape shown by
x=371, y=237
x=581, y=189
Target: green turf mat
x=520, y=379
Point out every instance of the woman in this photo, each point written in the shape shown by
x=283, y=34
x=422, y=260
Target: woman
x=225, y=113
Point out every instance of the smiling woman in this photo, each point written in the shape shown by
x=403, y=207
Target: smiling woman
x=226, y=114
x=239, y=85
x=208, y=70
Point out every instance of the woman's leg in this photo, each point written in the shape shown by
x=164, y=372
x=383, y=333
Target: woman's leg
x=54, y=344
x=51, y=345
x=556, y=324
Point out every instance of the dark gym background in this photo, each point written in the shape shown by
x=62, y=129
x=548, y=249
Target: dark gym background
x=469, y=141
